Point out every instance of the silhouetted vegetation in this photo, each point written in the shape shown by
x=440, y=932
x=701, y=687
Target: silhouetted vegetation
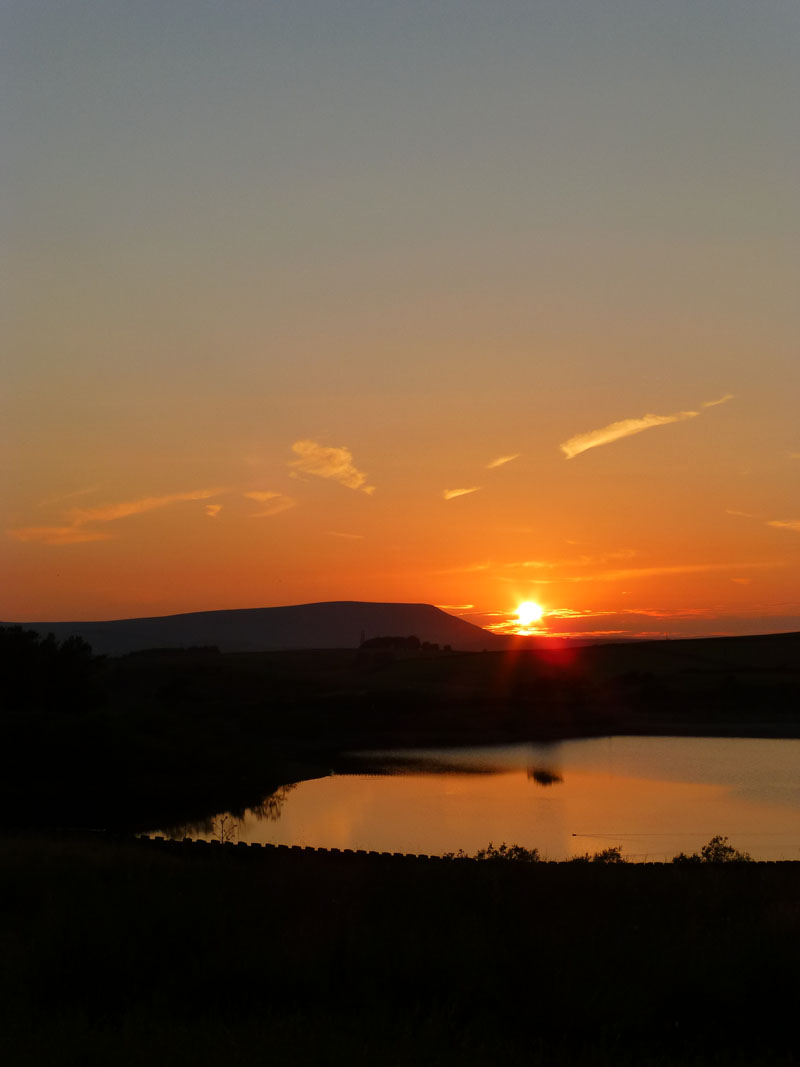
x=42, y=673
x=718, y=850
x=514, y=853
x=404, y=644
x=606, y=855
x=125, y=954
x=520, y=854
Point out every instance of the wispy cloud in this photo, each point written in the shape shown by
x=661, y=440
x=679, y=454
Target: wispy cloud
x=610, y=575
x=679, y=568
x=325, y=462
x=346, y=536
x=212, y=510
x=501, y=460
x=276, y=507
x=57, y=535
x=82, y=521
x=451, y=494
x=261, y=495
x=273, y=503
x=627, y=427
x=509, y=622
x=111, y=512
x=780, y=524
x=454, y=607
x=578, y=561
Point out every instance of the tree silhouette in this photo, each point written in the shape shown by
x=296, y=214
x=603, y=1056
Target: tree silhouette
x=718, y=850
x=40, y=673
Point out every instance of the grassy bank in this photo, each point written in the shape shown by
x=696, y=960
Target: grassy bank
x=121, y=953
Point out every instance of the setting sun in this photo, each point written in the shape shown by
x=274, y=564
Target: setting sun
x=529, y=612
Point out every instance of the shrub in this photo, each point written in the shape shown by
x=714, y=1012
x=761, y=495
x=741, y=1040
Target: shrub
x=508, y=852
x=516, y=853
x=607, y=855
x=718, y=850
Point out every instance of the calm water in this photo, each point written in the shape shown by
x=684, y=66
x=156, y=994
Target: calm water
x=654, y=796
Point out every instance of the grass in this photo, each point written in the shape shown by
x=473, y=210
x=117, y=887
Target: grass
x=118, y=952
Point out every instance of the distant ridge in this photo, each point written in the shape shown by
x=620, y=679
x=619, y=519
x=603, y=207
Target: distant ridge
x=331, y=624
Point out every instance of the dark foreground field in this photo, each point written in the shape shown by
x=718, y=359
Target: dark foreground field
x=124, y=953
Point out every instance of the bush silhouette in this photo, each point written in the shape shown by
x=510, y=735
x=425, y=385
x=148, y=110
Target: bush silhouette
x=517, y=853
x=607, y=855
x=718, y=850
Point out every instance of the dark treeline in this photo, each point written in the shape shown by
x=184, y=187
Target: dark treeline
x=42, y=673
x=402, y=644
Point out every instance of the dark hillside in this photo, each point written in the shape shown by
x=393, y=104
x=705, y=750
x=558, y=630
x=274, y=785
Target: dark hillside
x=335, y=624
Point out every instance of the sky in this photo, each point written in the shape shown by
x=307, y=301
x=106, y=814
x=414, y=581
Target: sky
x=446, y=302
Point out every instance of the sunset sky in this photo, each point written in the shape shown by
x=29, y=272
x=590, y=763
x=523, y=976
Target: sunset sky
x=463, y=303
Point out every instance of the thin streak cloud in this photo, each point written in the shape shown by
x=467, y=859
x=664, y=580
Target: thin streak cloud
x=740, y=514
x=112, y=512
x=57, y=535
x=451, y=494
x=82, y=520
x=261, y=495
x=655, y=572
x=628, y=427
x=501, y=461
x=786, y=524
x=621, y=574
x=274, y=503
x=325, y=462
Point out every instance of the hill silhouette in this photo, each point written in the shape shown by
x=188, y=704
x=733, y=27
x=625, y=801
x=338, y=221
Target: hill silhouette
x=332, y=624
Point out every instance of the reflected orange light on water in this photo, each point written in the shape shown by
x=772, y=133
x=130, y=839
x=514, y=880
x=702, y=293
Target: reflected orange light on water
x=437, y=814
x=570, y=810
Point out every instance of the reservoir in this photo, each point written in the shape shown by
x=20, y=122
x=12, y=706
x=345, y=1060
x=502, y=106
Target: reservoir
x=652, y=796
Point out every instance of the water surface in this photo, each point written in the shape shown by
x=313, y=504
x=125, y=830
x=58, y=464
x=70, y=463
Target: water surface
x=653, y=796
